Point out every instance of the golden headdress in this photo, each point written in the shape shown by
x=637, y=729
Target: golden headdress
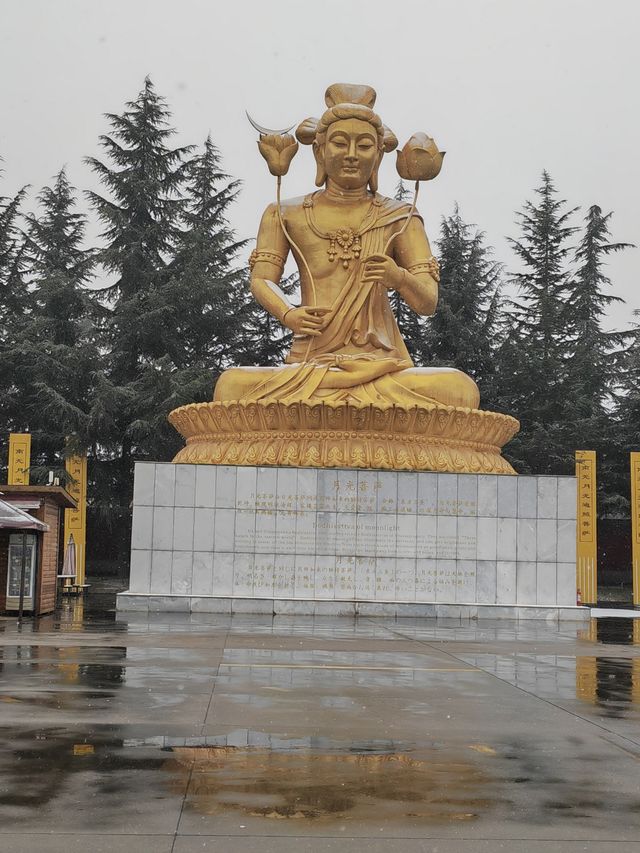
x=346, y=100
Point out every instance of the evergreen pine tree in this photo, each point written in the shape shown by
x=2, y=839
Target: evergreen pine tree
x=56, y=346
x=532, y=361
x=206, y=292
x=463, y=331
x=12, y=293
x=596, y=357
x=620, y=431
x=593, y=350
x=141, y=216
x=14, y=308
x=628, y=402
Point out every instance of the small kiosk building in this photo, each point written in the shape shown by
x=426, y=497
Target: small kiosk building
x=42, y=540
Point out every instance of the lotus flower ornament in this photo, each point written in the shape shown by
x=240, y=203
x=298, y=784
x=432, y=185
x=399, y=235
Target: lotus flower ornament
x=278, y=150
x=420, y=159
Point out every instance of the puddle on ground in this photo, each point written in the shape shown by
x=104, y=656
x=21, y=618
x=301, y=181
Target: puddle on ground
x=307, y=785
x=611, y=683
x=617, y=631
x=98, y=777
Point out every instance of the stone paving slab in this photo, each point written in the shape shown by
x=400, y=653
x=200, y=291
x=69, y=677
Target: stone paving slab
x=178, y=732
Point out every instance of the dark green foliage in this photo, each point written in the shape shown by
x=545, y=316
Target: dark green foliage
x=532, y=361
x=171, y=325
x=14, y=307
x=596, y=361
x=205, y=289
x=51, y=353
x=628, y=402
x=58, y=348
x=463, y=331
x=593, y=351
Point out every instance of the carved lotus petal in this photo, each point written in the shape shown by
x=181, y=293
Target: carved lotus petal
x=278, y=150
x=420, y=159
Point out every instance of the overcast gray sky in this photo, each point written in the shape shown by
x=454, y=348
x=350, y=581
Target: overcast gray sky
x=507, y=87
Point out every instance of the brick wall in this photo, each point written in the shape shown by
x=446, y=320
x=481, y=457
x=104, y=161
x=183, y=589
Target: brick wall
x=49, y=512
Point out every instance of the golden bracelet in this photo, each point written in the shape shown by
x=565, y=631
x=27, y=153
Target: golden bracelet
x=269, y=257
x=429, y=265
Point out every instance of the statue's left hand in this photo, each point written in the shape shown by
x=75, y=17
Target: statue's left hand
x=383, y=270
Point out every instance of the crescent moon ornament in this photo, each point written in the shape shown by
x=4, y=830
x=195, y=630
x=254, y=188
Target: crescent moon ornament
x=265, y=131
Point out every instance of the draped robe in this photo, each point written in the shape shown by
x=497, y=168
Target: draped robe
x=360, y=348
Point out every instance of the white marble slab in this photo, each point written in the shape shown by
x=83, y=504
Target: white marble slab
x=165, y=485
x=527, y=497
x=486, y=581
x=144, y=484
x=225, y=496
x=205, y=493
x=142, y=527
x=185, y=485
x=140, y=579
x=467, y=500
x=427, y=494
x=385, y=587
x=507, y=497
x=162, y=539
x=181, y=572
x=284, y=576
x=365, y=578
x=263, y=575
x=547, y=497
x=284, y=534
x=202, y=577
x=203, y=528
x=488, y=495
x=386, y=492
x=183, y=522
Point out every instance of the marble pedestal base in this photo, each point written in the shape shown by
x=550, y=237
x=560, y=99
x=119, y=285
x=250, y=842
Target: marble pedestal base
x=351, y=542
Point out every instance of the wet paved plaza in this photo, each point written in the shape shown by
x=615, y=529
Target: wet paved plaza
x=185, y=733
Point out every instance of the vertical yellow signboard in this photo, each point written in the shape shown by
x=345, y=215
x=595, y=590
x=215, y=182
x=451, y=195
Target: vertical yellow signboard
x=19, y=458
x=587, y=538
x=635, y=525
x=75, y=520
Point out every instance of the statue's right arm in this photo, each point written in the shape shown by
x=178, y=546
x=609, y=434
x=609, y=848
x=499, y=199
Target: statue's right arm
x=267, y=265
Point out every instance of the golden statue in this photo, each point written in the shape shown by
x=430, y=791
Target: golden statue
x=348, y=394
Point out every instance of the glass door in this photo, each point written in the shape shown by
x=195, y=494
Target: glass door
x=15, y=569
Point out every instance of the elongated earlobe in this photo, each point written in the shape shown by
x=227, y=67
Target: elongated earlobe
x=373, y=180
x=321, y=175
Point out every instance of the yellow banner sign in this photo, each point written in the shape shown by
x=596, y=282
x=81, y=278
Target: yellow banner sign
x=19, y=458
x=587, y=533
x=75, y=520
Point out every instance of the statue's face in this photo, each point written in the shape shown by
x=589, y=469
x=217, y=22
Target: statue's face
x=351, y=152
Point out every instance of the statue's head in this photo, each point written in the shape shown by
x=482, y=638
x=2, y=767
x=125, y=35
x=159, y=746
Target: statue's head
x=349, y=140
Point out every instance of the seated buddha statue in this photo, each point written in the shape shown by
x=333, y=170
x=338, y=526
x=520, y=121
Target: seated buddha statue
x=348, y=394
x=353, y=247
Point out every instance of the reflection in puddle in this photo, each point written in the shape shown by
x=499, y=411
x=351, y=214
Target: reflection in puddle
x=611, y=683
x=314, y=785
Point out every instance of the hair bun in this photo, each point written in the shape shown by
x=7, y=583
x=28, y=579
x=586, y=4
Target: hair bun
x=306, y=131
x=350, y=93
x=389, y=139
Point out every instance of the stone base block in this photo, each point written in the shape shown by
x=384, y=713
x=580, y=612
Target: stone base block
x=300, y=607
x=355, y=542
